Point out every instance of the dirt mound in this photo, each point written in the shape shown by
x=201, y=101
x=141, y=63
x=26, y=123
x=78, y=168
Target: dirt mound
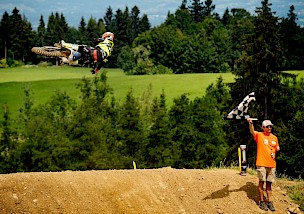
x=163, y=190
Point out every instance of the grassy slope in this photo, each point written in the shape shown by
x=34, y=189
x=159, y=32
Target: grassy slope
x=45, y=81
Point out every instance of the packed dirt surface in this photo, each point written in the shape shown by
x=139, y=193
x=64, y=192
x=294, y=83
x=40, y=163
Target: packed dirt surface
x=164, y=190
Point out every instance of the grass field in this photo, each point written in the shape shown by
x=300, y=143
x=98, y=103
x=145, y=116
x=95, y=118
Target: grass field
x=45, y=81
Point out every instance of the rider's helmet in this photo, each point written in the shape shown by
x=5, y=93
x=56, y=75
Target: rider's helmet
x=108, y=35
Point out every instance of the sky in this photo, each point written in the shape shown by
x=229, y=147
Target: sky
x=156, y=10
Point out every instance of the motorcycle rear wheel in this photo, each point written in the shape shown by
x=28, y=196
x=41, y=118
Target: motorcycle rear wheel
x=49, y=51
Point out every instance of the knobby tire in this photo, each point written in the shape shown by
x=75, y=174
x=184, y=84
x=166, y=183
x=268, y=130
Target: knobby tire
x=48, y=51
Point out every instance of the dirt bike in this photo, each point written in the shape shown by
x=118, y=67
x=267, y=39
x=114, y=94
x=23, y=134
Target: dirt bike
x=63, y=51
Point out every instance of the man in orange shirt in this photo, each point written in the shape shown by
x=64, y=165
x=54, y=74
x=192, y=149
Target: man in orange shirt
x=267, y=146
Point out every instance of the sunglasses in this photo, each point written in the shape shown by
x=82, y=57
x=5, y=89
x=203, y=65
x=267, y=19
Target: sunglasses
x=269, y=127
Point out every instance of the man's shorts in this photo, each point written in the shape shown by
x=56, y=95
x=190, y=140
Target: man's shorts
x=266, y=173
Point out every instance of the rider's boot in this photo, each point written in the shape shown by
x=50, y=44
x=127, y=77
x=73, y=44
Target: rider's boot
x=64, y=60
x=94, y=71
x=69, y=45
x=70, y=58
x=62, y=42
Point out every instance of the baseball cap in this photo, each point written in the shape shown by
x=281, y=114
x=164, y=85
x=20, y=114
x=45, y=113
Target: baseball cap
x=267, y=123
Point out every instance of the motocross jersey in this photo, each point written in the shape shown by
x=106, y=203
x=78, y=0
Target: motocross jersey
x=107, y=46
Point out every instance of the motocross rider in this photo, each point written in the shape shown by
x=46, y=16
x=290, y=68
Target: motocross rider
x=103, y=50
x=99, y=54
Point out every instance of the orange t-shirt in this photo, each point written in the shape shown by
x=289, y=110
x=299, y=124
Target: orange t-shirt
x=267, y=146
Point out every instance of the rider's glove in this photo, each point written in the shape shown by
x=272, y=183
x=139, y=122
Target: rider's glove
x=97, y=40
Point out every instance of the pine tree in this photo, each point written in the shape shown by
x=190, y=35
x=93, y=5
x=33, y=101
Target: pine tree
x=292, y=41
x=57, y=29
x=196, y=10
x=50, y=31
x=159, y=150
x=126, y=28
x=108, y=19
x=92, y=30
x=181, y=130
x=240, y=24
x=144, y=23
x=135, y=21
x=226, y=17
x=5, y=26
x=26, y=40
x=208, y=8
x=41, y=32
x=83, y=34
x=8, y=160
x=129, y=128
x=184, y=5
x=63, y=26
x=100, y=27
x=260, y=66
x=183, y=19
x=15, y=34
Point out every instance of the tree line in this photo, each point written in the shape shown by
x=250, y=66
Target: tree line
x=193, y=39
x=100, y=133
x=18, y=37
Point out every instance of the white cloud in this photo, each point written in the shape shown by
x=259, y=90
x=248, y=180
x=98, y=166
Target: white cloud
x=6, y=6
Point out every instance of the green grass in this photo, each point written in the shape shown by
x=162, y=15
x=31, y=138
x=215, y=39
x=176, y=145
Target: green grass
x=296, y=193
x=23, y=74
x=294, y=189
x=45, y=81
